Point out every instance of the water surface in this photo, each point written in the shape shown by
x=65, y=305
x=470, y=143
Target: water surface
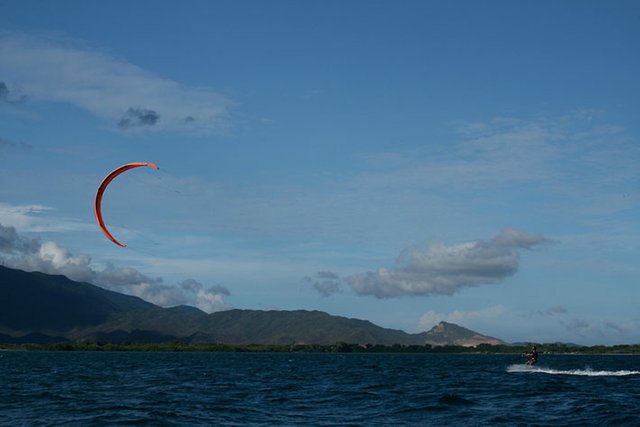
x=96, y=388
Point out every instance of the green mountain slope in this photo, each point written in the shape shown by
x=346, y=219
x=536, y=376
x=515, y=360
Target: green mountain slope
x=42, y=308
x=42, y=302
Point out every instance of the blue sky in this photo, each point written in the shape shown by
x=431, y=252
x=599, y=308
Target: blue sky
x=400, y=162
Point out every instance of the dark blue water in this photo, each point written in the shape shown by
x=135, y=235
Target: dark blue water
x=94, y=388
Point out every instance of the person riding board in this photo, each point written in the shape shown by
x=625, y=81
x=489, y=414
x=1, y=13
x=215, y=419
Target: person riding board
x=532, y=356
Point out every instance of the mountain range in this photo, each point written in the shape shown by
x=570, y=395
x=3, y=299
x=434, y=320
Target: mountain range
x=42, y=308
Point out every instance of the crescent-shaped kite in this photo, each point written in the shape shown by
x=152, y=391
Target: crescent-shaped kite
x=103, y=185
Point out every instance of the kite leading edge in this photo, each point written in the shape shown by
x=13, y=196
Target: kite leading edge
x=103, y=185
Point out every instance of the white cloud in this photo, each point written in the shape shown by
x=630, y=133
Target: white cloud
x=445, y=269
x=162, y=295
x=209, y=300
x=20, y=216
x=123, y=94
x=327, y=283
x=30, y=218
x=578, y=164
x=48, y=257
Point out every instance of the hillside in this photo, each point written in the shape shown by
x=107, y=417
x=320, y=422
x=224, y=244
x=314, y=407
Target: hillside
x=445, y=333
x=52, y=303
x=43, y=308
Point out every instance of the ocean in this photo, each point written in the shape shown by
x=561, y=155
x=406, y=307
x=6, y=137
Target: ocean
x=255, y=389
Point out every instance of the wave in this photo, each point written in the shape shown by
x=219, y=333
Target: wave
x=581, y=372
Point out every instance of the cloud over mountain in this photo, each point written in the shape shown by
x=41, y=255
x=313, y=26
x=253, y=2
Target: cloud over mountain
x=48, y=257
x=443, y=270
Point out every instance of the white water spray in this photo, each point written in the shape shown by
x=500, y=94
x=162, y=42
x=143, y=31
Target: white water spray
x=519, y=368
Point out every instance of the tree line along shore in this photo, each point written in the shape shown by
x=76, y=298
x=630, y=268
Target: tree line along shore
x=334, y=348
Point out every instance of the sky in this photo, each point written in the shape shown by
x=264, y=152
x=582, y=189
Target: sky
x=399, y=162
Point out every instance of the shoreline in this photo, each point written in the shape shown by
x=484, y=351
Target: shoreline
x=483, y=349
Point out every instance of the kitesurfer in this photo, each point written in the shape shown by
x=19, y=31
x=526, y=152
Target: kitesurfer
x=532, y=356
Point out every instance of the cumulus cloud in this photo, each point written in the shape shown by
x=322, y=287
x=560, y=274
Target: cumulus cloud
x=159, y=294
x=45, y=256
x=64, y=71
x=136, y=117
x=12, y=243
x=208, y=299
x=444, y=270
x=115, y=277
x=217, y=289
x=327, y=283
x=48, y=257
x=191, y=285
x=9, y=96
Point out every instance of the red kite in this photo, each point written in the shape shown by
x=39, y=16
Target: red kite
x=103, y=185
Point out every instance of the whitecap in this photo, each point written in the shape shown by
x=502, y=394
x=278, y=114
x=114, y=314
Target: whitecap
x=581, y=372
